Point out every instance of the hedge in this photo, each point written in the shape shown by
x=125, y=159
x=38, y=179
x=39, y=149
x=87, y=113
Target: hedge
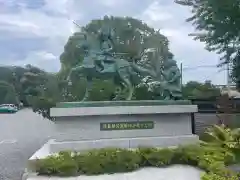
x=221, y=148
x=113, y=160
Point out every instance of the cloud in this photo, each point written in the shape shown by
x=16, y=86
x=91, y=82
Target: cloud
x=110, y=3
x=170, y=19
x=49, y=26
x=36, y=23
x=42, y=59
x=36, y=31
x=156, y=12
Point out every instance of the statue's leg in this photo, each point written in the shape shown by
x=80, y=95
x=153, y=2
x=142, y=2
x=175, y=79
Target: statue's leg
x=127, y=83
x=74, y=70
x=118, y=91
x=130, y=89
x=88, y=88
x=70, y=75
x=167, y=95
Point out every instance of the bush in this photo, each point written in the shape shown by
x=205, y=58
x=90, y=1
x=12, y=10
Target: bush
x=187, y=155
x=61, y=164
x=122, y=160
x=107, y=161
x=213, y=176
x=212, y=156
x=223, y=136
x=155, y=157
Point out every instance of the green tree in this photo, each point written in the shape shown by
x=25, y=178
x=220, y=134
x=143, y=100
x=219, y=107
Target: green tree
x=194, y=89
x=131, y=37
x=8, y=93
x=42, y=90
x=31, y=86
x=217, y=23
x=14, y=76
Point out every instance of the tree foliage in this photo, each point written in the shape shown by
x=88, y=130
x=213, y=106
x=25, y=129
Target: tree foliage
x=17, y=83
x=44, y=90
x=217, y=23
x=131, y=36
x=7, y=93
x=11, y=80
x=204, y=90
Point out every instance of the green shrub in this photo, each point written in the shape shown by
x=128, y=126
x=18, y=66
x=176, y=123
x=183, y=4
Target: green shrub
x=187, y=155
x=61, y=165
x=143, y=152
x=213, y=176
x=223, y=136
x=211, y=156
x=156, y=157
x=107, y=161
x=217, y=153
x=115, y=160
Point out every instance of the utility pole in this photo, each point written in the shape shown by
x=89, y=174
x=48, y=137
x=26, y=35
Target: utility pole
x=181, y=71
x=228, y=79
x=228, y=71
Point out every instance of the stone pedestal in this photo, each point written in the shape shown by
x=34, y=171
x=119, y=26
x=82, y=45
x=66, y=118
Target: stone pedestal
x=131, y=125
x=94, y=125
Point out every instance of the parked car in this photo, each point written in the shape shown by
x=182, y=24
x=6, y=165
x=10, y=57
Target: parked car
x=8, y=108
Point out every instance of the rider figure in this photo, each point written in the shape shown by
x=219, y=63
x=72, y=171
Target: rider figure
x=106, y=46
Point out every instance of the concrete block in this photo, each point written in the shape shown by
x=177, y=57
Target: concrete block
x=115, y=143
x=87, y=145
x=71, y=145
x=120, y=110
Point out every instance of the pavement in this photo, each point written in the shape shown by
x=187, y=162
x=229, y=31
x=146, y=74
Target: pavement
x=21, y=134
x=175, y=172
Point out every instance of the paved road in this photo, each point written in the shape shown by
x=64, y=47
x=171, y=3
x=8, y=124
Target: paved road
x=21, y=134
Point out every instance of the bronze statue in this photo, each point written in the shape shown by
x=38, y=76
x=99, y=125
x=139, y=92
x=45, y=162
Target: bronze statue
x=171, y=84
x=100, y=61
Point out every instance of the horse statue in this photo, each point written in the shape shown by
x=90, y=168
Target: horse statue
x=100, y=63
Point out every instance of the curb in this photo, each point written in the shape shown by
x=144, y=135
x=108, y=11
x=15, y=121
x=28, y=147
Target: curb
x=25, y=175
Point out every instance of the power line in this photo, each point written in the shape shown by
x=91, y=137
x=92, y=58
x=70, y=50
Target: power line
x=197, y=67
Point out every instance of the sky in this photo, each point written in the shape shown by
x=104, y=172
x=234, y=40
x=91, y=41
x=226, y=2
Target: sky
x=35, y=31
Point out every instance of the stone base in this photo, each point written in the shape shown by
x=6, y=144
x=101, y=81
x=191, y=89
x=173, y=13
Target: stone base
x=53, y=146
x=126, y=143
x=128, y=125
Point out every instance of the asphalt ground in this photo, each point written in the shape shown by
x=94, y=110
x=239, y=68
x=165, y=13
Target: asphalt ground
x=21, y=134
